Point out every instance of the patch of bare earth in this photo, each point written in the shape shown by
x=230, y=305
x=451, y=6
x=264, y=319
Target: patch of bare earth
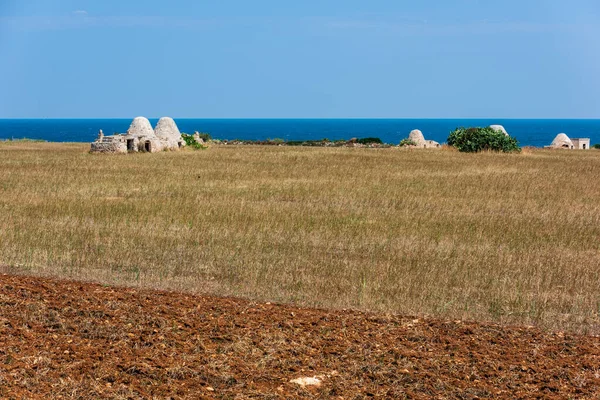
x=64, y=339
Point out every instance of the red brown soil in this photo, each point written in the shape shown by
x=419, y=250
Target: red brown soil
x=62, y=339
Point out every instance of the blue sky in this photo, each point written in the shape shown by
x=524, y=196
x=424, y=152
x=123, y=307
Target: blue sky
x=300, y=59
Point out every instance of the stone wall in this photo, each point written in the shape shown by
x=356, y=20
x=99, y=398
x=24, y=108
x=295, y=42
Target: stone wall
x=108, y=147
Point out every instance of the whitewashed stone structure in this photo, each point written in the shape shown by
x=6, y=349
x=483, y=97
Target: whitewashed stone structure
x=499, y=128
x=416, y=136
x=581, y=143
x=108, y=144
x=561, y=141
x=140, y=137
x=168, y=133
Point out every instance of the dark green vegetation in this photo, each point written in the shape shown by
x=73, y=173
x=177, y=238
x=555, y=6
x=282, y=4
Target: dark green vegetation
x=23, y=140
x=406, y=142
x=369, y=140
x=191, y=142
x=473, y=140
x=204, y=136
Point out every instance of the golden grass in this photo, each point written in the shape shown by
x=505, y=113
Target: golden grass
x=510, y=238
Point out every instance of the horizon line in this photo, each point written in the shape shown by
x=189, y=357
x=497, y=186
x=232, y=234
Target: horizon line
x=309, y=118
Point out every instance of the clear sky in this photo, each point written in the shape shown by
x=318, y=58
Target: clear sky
x=305, y=59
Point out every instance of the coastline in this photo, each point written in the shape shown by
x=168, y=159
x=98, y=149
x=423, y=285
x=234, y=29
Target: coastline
x=529, y=132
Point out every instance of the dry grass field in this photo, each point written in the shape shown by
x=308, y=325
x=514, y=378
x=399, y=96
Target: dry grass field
x=504, y=238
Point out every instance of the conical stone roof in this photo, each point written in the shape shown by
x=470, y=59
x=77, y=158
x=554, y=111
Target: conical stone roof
x=167, y=129
x=140, y=126
x=417, y=137
x=562, y=140
x=499, y=128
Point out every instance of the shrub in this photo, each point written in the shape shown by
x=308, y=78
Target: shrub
x=596, y=146
x=369, y=140
x=312, y=143
x=275, y=141
x=204, y=136
x=191, y=142
x=473, y=140
x=406, y=142
x=25, y=140
x=304, y=143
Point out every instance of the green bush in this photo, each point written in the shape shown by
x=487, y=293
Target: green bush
x=204, y=136
x=472, y=140
x=596, y=146
x=191, y=142
x=406, y=142
x=369, y=140
x=24, y=140
x=276, y=141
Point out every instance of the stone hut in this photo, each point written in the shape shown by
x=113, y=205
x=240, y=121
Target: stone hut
x=140, y=137
x=168, y=133
x=561, y=141
x=416, y=136
x=581, y=143
x=499, y=128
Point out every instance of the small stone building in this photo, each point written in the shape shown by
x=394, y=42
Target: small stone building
x=109, y=144
x=167, y=132
x=140, y=137
x=562, y=141
x=416, y=136
x=499, y=128
x=581, y=143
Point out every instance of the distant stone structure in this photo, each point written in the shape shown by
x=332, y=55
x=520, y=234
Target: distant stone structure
x=562, y=141
x=140, y=137
x=499, y=128
x=416, y=136
x=108, y=144
x=581, y=143
x=167, y=132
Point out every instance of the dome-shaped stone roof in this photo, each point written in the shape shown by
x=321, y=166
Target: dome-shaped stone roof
x=140, y=126
x=562, y=140
x=499, y=128
x=417, y=137
x=167, y=128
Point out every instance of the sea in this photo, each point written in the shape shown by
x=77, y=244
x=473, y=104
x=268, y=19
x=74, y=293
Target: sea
x=529, y=132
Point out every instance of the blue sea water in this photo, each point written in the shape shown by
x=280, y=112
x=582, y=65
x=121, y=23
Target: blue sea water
x=529, y=132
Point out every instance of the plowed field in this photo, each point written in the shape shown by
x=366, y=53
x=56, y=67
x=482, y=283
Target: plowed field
x=65, y=339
